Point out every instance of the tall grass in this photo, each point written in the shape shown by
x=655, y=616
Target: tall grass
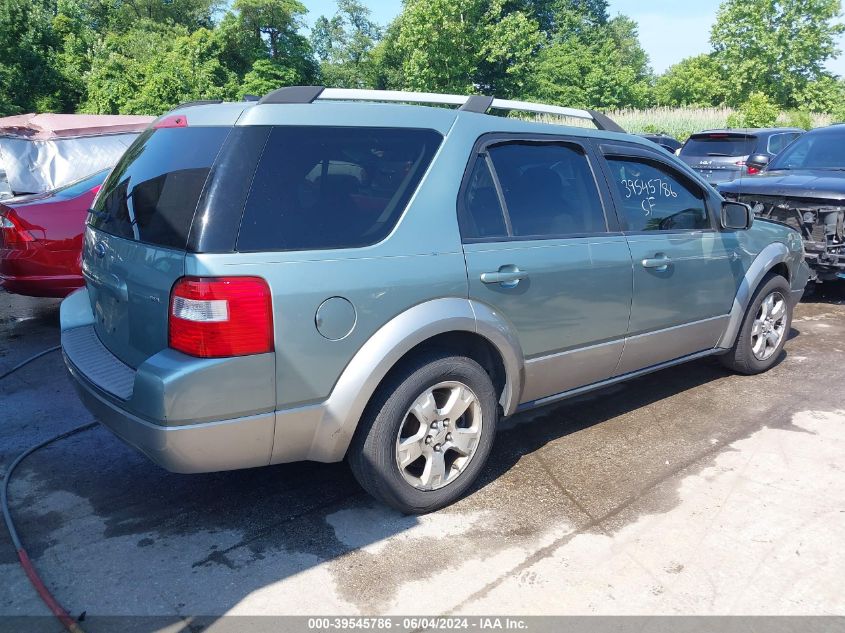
x=682, y=122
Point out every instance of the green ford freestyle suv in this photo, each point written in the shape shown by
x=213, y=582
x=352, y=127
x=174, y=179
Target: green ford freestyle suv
x=322, y=275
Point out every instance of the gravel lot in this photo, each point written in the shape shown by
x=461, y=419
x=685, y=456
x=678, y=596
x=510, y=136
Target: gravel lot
x=690, y=491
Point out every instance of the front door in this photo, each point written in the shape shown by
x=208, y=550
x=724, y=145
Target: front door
x=539, y=252
x=684, y=281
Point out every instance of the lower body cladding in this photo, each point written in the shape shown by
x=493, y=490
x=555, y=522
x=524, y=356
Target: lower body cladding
x=248, y=441
x=820, y=224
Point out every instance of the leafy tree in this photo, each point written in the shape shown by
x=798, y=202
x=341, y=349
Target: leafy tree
x=776, y=47
x=122, y=15
x=266, y=75
x=695, y=81
x=275, y=25
x=344, y=45
x=29, y=75
x=600, y=66
x=757, y=111
x=463, y=46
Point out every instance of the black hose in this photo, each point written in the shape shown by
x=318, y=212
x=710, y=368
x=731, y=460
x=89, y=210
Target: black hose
x=29, y=360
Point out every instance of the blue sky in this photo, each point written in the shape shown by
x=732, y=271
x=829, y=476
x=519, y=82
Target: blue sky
x=669, y=29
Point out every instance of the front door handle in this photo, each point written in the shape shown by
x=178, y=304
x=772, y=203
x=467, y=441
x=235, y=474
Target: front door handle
x=661, y=262
x=506, y=276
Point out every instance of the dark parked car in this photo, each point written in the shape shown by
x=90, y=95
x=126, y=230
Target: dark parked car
x=804, y=187
x=721, y=155
x=670, y=144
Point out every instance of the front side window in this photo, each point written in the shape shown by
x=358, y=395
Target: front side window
x=655, y=199
x=333, y=187
x=548, y=191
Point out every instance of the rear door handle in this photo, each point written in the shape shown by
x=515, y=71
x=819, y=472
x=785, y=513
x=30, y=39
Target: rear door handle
x=657, y=262
x=506, y=276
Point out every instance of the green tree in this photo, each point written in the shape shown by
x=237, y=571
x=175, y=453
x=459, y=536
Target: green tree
x=267, y=75
x=463, y=46
x=599, y=66
x=757, y=111
x=29, y=74
x=776, y=47
x=344, y=45
x=275, y=25
x=695, y=81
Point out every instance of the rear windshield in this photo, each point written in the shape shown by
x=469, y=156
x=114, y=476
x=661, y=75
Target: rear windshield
x=152, y=193
x=719, y=145
x=332, y=187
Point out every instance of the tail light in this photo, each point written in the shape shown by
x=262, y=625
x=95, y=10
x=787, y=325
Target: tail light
x=12, y=232
x=753, y=170
x=214, y=317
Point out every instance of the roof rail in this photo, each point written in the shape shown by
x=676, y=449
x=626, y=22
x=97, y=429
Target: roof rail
x=191, y=104
x=472, y=103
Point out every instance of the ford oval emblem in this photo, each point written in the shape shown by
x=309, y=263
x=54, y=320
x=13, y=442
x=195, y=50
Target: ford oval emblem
x=100, y=249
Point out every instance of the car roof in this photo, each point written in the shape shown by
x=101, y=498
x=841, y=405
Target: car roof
x=316, y=105
x=374, y=114
x=836, y=128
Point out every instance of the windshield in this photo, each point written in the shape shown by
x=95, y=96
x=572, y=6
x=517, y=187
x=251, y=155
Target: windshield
x=813, y=151
x=719, y=145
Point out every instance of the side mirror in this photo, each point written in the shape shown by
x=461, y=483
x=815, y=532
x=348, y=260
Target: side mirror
x=736, y=216
x=757, y=162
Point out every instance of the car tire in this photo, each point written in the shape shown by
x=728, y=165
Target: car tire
x=414, y=412
x=764, y=330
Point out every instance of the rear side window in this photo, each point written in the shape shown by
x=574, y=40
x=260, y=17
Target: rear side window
x=778, y=141
x=151, y=194
x=548, y=191
x=333, y=187
x=719, y=145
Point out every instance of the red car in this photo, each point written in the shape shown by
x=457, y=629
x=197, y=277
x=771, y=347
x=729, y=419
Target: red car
x=41, y=239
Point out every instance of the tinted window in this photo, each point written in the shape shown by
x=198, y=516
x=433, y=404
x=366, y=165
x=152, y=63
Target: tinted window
x=481, y=213
x=152, y=193
x=654, y=199
x=778, y=141
x=332, y=187
x=813, y=151
x=719, y=145
x=84, y=185
x=548, y=189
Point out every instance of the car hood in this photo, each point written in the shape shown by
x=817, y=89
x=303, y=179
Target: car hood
x=822, y=184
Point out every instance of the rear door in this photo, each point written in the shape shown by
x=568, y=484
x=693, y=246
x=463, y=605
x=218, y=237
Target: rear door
x=134, y=246
x=686, y=272
x=540, y=251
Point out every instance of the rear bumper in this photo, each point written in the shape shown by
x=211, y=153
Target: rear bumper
x=193, y=448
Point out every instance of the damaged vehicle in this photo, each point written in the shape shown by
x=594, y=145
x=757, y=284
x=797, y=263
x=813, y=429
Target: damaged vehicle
x=803, y=187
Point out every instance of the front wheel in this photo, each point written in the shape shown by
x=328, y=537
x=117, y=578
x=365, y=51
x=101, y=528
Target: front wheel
x=427, y=434
x=764, y=330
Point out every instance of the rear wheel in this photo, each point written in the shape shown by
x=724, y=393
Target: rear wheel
x=427, y=434
x=764, y=329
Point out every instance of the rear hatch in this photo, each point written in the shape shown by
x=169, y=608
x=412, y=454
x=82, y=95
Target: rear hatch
x=137, y=234
x=718, y=156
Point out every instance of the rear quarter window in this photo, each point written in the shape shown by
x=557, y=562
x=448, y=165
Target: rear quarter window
x=332, y=187
x=152, y=193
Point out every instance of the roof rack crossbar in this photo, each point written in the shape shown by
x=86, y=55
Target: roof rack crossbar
x=472, y=103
